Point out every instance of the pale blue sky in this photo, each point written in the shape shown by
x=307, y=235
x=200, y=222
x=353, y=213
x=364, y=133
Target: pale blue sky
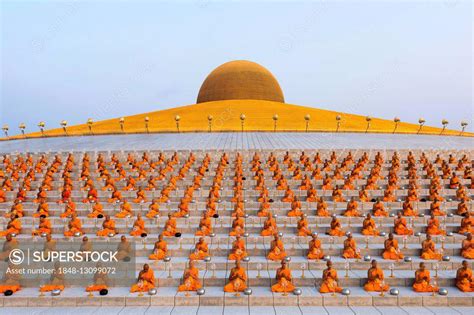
x=103, y=59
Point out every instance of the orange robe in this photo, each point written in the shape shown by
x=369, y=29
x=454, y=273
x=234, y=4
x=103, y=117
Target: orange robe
x=422, y=282
x=369, y=227
x=138, y=228
x=329, y=283
x=237, y=280
x=374, y=282
x=44, y=227
x=277, y=251
x=350, y=249
x=13, y=227
x=467, y=250
x=428, y=251
x=465, y=280
x=191, y=280
x=433, y=227
x=160, y=251
x=400, y=227
x=146, y=281
x=170, y=227
x=284, y=281
x=108, y=227
x=75, y=226
x=200, y=252
x=335, y=229
x=315, y=251
x=391, y=250
x=238, y=250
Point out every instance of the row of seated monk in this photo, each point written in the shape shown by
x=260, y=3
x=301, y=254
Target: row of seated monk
x=276, y=252
x=238, y=280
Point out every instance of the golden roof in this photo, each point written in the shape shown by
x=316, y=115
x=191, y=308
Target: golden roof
x=240, y=79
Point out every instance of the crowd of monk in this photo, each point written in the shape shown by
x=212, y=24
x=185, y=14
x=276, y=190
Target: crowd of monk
x=115, y=177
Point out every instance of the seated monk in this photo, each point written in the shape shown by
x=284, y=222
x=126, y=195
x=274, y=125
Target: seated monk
x=369, y=227
x=284, y=281
x=428, y=249
x=289, y=195
x=435, y=208
x=138, y=228
x=422, y=280
x=160, y=249
x=391, y=250
x=238, y=251
x=302, y=226
x=141, y=197
x=100, y=280
x=433, y=227
x=116, y=196
x=335, y=227
x=205, y=225
x=408, y=209
x=400, y=225
x=13, y=226
x=464, y=278
x=462, y=208
x=337, y=195
x=108, y=227
x=350, y=248
x=44, y=227
x=277, y=250
x=56, y=281
x=97, y=211
x=43, y=210
x=295, y=209
x=237, y=279
x=153, y=209
x=125, y=210
x=321, y=210
x=315, y=250
x=269, y=226
x=3, y=197
x=237, y=226
x=123, y=249
x=69, y=209
x=190, y=278
x=329, y=283
x=311, y=195
x=74, y=226
x=170, y=226
x=467, y=247
x=467, y=224
x=352, y=207
x=201, y=250
x=379, y=210
x=375, y=279
x=145, y=281
x=11, y=281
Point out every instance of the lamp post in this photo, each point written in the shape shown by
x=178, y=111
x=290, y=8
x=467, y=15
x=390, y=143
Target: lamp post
x=147, y=120
x=90, y=122
x=275, y=119
x=338, y=122
x=22, y=127
x=177, y=118
x=463, y=125
x=41, y=127
x=122, y=122
x=445, y=123
x=5, y=130
x=242, y=120
x=64, y=125
x=307, y=118
x=209, y=121
x=368, y=119
x=421, y=122
x=396, y=120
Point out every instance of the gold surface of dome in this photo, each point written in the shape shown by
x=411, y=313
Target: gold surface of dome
x=240, y=79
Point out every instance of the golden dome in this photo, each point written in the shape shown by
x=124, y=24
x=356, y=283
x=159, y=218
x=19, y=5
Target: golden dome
x=240, y=79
